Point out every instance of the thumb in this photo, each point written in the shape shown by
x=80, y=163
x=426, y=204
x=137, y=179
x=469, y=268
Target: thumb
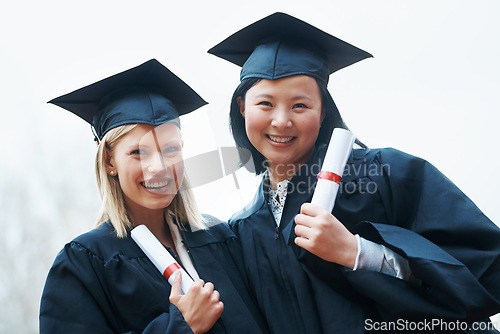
x=175, y=292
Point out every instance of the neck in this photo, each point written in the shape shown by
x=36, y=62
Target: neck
x=280, y=172
x=154, y=220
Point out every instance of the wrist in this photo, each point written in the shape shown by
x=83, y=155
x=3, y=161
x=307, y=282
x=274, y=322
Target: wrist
x=351, y=252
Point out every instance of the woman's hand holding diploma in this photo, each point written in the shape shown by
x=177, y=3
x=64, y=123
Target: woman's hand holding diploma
x=323, y=235
x=317, y=230
x=198, y=301
x=200, y=306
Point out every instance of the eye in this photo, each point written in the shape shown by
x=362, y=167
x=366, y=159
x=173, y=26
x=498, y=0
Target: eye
x=172, y=149
x=265, y=103
x=138, y=152
x=300, y=106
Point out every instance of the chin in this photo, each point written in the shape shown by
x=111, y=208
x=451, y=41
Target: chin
x=160, y=204
x=280, y=160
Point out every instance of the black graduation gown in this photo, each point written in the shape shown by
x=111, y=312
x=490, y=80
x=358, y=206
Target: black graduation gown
x=102, y=284
x=393, y=199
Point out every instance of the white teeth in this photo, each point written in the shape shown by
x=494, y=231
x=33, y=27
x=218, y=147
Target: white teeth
x=155, y=184
x=280, y=139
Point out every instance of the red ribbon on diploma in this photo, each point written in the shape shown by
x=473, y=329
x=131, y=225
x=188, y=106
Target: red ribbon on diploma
x=325, y=175
x=170, y=270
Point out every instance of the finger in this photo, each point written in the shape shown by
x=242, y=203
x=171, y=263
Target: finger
x=215, y=296
x=302, y=231
x=304, y=220
x=302, y=243
x=310, y=209
x=176, y=284
x=219, y=307
x=209, y=286
x=199, y=284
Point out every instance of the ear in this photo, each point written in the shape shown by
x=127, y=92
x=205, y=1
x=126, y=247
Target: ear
x=241, y=104
x=323, y=115
x=109, y=163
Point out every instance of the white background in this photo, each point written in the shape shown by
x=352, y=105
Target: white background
x=431, y=90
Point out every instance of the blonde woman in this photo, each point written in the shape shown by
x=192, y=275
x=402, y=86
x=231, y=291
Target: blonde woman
x=101, y=282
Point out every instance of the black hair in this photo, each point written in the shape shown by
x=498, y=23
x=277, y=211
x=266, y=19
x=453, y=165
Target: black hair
x=237, y=125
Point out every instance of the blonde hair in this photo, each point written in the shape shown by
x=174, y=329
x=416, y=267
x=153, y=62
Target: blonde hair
x=183, y=208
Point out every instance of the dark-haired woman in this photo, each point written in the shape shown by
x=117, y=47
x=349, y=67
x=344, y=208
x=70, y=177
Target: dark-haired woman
x=403, y=250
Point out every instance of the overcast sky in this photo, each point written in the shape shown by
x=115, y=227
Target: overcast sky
x=431, y=90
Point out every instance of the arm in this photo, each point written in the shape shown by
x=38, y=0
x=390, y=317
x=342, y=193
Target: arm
x=451, y=247
x=378, y=258
x=76, y=299
x=66, y=305
x=320, y=233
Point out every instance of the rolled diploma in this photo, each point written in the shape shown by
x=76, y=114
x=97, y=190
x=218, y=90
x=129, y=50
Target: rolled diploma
x=160, y=257
x=336, y=157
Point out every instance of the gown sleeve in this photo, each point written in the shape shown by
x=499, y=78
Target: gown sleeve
x=451, y=247
x=76, y=299
x=375, y=257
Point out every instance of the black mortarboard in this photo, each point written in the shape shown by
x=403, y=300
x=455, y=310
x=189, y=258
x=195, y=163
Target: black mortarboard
x=148, y=94
x=281, y=45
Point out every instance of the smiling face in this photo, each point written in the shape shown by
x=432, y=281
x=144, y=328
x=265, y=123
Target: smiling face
x=282, y=121
x=149, y=166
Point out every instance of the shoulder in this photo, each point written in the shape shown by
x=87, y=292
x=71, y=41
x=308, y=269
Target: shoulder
x=255, y=204
x=217, y=228
x=376, y=155
x=92, y=238
x=103, y=243
x=390, y=169
x=393, y=155
x=217, y=231
x=211, y=221
x=399, y=164
x=403, y=172
x=387, y=158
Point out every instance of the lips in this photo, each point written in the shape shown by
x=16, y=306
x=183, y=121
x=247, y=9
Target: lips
x=156, y=185
x=280, y=139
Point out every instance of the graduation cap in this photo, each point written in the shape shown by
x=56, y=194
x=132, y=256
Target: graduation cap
x=146, y=94
x=281, y=45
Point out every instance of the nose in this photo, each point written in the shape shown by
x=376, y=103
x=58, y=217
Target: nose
x=155, y=163
x=281, y=119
